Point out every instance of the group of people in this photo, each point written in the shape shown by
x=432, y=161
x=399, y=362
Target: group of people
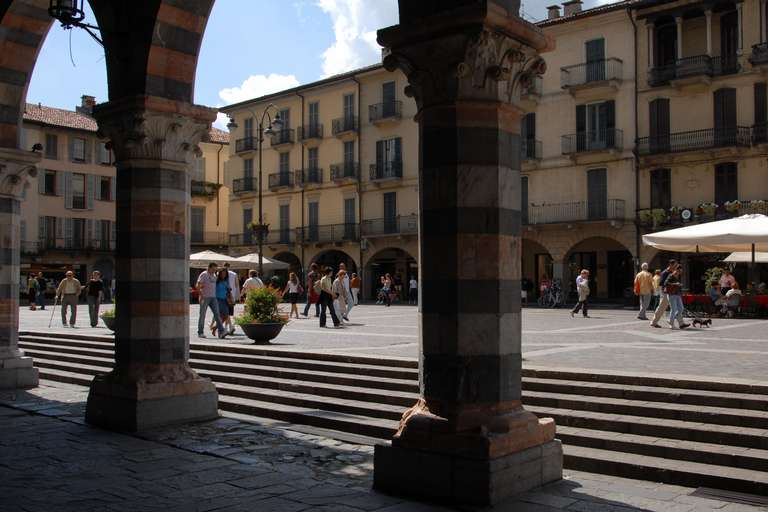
x=68, y=294
x=332, y=295
x=667, y=287
x=219, y=290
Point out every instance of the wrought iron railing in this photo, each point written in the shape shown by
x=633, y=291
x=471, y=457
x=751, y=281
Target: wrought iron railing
x=29, y=247
x=330, y=233
x=282, y=137
x=592, y=141
x=242, y=185
x=759, y=54
x=310, y=131
x=590, y=72
x=281, y=179
x=612, y=209
x=399, y=225
x=697, y=65
x=388, y=110
x=246, y=144
x=345, y=171
x=285, y=236
x=344, y=124
x=309, y=176
x=662, y=218
x=531, y=149
x=77, y=243
x=208, y=238
x=386, y=171
x=739, y=136
x=78, y=202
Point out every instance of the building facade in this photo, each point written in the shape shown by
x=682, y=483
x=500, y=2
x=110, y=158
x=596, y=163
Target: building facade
x=68, y=215
x=339, y=175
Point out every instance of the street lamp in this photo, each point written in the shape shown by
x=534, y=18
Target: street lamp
x=71, y=14
x=273, y=123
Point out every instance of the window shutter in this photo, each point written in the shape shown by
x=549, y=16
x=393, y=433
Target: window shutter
x=87, y=150
x=97, y=188
x=90, y=192
x=113, y=188
x=68, y=232
x=59, y=227
x=89, y=233
x=761, y=105
x=113, y=235
x=23, y=230
x=581, y=118
x=380, y=154
x=67, y=190
x=58, y=186
x=398, y=150
x=71, y=149
x=41, y=228
x=41, y=181
x=98, y=225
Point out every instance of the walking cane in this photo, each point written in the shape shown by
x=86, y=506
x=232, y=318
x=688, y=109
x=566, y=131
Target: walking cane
x=53, y=310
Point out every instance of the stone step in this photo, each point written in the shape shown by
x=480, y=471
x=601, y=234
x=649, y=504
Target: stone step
x=656, y=427
x=648, y=393
x=672, y=411
x=668, y=471
x=84, y=346
x=706, y=453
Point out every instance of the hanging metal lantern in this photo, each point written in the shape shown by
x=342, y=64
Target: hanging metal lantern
x=68, y=12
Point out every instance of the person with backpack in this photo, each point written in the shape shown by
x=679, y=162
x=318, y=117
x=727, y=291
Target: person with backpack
x=324, y=287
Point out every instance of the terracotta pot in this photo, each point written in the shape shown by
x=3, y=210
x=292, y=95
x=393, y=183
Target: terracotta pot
x=262, y=333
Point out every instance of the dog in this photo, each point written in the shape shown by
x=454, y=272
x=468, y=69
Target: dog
x=702, y=322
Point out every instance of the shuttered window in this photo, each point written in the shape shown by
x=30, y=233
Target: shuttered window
x=597, y=194
x=726, y=182
x=51, y=146
x=725, y=116
x=524, y=199
x=77, y=149
x=284, y=214
x=661, y=189
x=595, y=51
x=761, y=112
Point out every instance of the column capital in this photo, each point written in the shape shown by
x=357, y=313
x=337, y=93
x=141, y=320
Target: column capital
x=16, y=167
x=679, y=20
x=477, y=53
x=146, y=127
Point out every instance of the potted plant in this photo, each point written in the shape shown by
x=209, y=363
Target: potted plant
x=659, y=217
x=733, y=206
x=108, y=317
x=646, y=218
x=261, y=320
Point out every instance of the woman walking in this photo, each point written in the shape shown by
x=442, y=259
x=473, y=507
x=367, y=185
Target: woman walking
x=674, y=289
x=292, y=292
x=313, y=297
x=339, y=291
x=223, y=296
x=582, y=288
x=386, y=290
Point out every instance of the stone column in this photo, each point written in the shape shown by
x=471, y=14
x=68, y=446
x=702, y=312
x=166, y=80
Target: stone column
x=16, y=370
x=152, y=384
x=651, y=42
x=679, y=22
x=740, y=25
x=468, y=440
x=708, y=16
x=763, y=19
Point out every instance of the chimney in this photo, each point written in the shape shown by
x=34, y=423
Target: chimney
x=553, y=12
x=86, y=105
x=571, y=7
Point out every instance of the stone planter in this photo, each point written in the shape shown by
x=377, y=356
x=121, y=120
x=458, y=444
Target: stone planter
x=109, y=321
x=262, y=333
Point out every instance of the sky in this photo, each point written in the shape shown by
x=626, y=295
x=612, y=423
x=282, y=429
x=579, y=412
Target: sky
x=250, y=48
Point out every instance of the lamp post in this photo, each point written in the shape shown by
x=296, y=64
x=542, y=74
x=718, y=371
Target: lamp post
x=273, y=123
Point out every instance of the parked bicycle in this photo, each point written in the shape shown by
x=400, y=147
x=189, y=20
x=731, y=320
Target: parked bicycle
x=552, y=296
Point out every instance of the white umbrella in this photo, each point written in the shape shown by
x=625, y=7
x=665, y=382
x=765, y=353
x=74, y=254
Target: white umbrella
x=202, y=259
x=269, y=264
x=746, y=257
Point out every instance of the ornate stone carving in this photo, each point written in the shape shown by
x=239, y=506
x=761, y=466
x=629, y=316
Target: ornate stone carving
x=153, y=136
x=14, y=176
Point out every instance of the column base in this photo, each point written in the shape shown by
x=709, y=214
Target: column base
x=18, y=373
x=450, y=478
x=135, y=406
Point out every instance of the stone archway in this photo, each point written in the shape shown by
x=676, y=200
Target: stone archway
x=293, y=261
x=394, y=261
x=536, y=265
x=332, y=258
x=610, y=263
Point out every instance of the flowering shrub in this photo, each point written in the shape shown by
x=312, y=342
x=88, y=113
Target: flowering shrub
x=261, y=307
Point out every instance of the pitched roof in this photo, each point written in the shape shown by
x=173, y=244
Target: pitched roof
x=615, y=6
x=61, y=118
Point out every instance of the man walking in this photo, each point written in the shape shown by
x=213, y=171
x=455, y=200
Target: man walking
x=354, y=287
x=67, y=293
x=234, y=286
x=664, y=300
x=582, y=288
x=326, y=299
x=347, y=302
x=252, y=283
x=206, y=285
x=42, y=285
x=313, y=297
x=644, y=290
x=94, y=293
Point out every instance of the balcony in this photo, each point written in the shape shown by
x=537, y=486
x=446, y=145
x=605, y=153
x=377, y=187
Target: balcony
x=387, y=171
x=693, y=70
x=665, y=218
x=384, y=112
x=695, y=140
x=310, y=133
x=612, y=209
x=208, y=238
x=78, y=202
x=531, y=150
x=204, y=189
x=345, y=127
x=759, y=55
x=330, y=233
x=586, y=142
x=346, y=171
x=76, y=244
x=306, y=177
x=29, y=247
x=246, y=239
x=280, y=237
x=243, y=185
x=395, y=226
x=282, y=138
x=280, y=180
x=606, y=72
x=246, y=144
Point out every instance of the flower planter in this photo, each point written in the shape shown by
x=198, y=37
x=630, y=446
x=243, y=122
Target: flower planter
x=262, y=333
x=109, y=321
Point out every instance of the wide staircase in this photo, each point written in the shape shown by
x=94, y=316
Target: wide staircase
x=686, y=432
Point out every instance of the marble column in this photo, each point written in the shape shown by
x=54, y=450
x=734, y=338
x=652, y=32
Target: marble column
x=152, y=385
x=679, y=22
x=469, y=439
x=651, y=41
x=16, y=166
x=740, y=26
x=708, y=16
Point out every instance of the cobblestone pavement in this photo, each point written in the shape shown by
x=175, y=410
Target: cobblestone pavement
x=51, y=461
x=610, y=340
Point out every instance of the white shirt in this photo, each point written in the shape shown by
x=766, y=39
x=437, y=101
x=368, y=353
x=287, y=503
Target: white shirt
x=414, y=284
x=293, y=287
x=252, y=283
x=234, y=283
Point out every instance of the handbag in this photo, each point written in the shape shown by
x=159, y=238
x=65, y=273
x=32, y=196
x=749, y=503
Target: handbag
x=300, y=291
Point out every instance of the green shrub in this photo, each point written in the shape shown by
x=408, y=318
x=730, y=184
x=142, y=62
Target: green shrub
x=261, y=307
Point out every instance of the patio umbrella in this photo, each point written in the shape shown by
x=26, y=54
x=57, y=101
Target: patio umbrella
x=202, y=259
x=748, y=233
x=746, y=257
x=269, y=264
